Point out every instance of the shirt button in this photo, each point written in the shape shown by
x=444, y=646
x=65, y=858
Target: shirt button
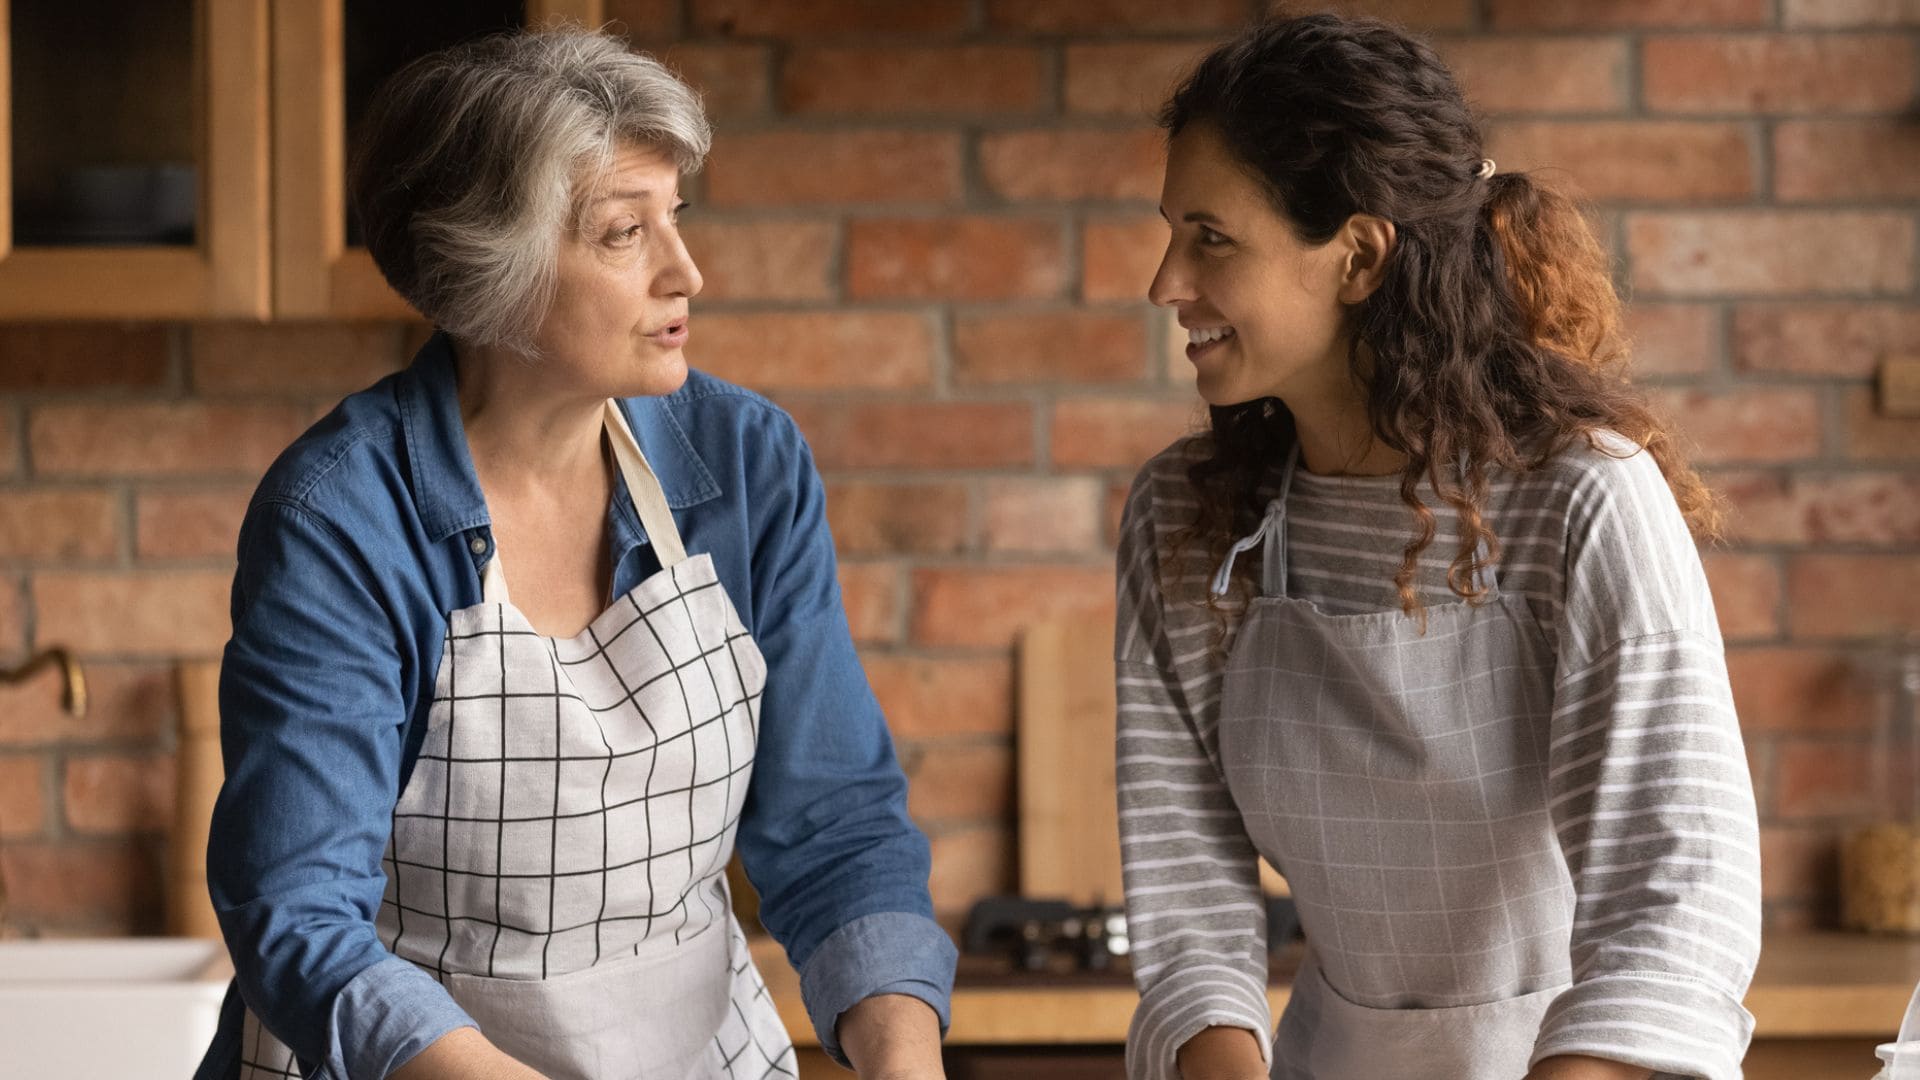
x=478, y=545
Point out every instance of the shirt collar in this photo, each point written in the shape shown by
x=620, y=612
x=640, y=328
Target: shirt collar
x=446, y=490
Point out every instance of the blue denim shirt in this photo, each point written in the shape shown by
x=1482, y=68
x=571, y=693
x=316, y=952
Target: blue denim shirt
x=361, y=539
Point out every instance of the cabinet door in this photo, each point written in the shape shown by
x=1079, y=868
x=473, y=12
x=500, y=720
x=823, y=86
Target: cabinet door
x=328, y=55
x=133, y=159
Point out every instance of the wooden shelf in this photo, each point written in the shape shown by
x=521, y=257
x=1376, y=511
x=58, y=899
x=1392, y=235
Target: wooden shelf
x=1809, y=985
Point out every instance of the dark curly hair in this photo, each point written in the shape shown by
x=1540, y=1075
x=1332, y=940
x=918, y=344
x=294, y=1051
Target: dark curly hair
x=1494, y=337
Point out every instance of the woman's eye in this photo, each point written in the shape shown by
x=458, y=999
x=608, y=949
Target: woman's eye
x=1209, y=238
x=623, y=234
x=679, y=209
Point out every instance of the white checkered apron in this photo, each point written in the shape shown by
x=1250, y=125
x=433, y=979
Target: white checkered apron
x=1399, y=781
x=558, y=857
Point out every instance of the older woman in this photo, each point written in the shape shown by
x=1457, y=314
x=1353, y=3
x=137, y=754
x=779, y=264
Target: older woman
x=474, y=833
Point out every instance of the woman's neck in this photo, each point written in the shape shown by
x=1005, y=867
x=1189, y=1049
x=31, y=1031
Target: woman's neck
x=1336, y=435
x=520, y=432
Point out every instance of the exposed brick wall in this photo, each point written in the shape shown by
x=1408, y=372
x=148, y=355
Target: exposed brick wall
x=927, y=230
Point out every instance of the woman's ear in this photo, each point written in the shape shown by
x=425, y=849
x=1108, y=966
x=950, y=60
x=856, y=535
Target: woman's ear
x=1368, y=241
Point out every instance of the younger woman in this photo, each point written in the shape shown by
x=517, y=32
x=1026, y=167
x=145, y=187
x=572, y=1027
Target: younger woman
x=1419, y=619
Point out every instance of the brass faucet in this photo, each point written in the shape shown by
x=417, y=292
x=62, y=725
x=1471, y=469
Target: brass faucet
x=73, y=698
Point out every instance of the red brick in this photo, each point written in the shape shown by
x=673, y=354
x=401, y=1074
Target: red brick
x=1119, y=256
x=857, y=168
x=1540, y=74
x=1746, y=595
x=948, y=783
x=970, y=863
x=1821, y=778
x=916, y=80
x=13, y=615
x=1749, y=424
x=1628, y=161
x=1063, y=166
x=764, y=260
x=1801, y=690
x=888, y=519
x=23, y=796
x=1760, y=754
x=987, y=606
x=931, y=698
x=82, y=356
x=1065, y=346
x=1093, y=433
x=111, y=888
x=1872, y=436
x=119, y=793
x=1133, y=78
x=870, y=591
x=1839, y=339
x=1853, y=596
x=1771, y=253
x=643, y=20
x=970, y=258
x=1844, y=160
x=1413, y=14
x=1799, y=863
x=125, y=703
x=1113, y=16
x=196, y=524
x=803, y=18
x=917, y=434
x=9, y=443
x=1618, y=14
x=48, y=523
x=733, y=79
x=1115, y=509
x=1845, y=508
x=292, y=358
x=1043, y=515
x=1673, y=339
x=1834, y=13
x=1776, y=73
x=815, y=350
x=151, y=439
x=121, y=614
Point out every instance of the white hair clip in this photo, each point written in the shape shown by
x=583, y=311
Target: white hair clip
x=1485, y=170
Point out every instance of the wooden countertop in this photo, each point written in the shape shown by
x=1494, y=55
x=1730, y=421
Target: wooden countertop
x=1809, y=985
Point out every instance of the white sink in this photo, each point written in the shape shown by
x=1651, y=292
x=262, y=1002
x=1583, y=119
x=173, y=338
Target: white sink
x=108, y=1009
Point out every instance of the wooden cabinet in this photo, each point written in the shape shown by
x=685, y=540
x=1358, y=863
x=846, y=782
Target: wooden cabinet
x=187, y=158
x=133, y=159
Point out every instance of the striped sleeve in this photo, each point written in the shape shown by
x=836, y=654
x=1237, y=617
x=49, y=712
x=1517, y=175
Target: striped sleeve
x=1651, y=799
x=1195, y=913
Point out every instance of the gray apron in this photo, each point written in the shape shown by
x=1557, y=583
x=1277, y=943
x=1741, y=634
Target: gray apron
x=558, y=858
x=1399, y=781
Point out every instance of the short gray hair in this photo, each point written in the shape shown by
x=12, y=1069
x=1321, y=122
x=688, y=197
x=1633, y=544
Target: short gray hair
x=471, y=161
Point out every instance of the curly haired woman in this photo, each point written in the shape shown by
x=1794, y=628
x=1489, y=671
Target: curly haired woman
x=1464, y=685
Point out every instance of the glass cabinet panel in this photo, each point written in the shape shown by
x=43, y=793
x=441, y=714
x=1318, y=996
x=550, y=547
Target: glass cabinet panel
x=103, y=150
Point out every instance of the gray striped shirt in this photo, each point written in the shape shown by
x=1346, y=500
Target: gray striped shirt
x=1647, y=781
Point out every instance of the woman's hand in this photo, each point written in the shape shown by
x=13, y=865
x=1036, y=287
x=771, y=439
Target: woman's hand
x=1579, y=1067
x=892, y=1037
x=1221, y=1053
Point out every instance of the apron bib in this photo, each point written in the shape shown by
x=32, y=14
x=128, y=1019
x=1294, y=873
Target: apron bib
x=1399, y=781
x=558, y=858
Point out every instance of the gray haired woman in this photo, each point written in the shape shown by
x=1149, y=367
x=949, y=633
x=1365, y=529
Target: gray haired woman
x=467, y=833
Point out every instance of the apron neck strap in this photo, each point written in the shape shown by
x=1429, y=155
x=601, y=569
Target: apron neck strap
x=1272, y=533
x=648, y=499
x=644, y=488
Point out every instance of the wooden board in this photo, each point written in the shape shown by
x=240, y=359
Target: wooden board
x=1069, y=838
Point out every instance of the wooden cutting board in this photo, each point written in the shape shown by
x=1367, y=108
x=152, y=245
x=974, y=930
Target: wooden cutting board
x=1069, y=835
x=1068, y=816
